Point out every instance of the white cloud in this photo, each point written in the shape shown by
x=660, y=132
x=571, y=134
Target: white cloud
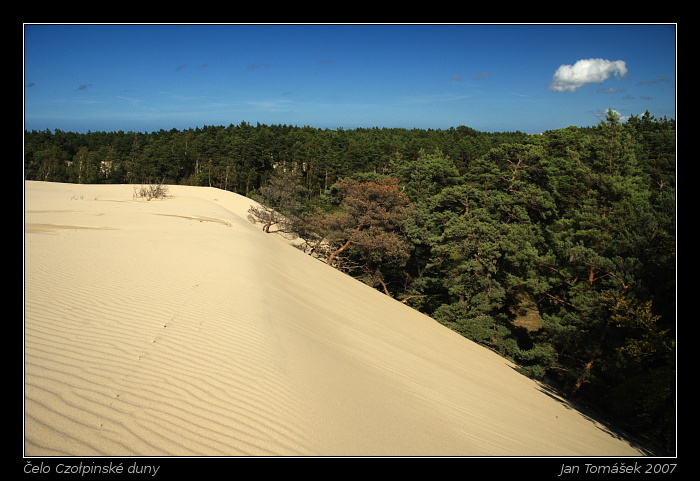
x=568, y=78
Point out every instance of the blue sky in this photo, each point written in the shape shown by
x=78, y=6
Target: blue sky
x=524, y=77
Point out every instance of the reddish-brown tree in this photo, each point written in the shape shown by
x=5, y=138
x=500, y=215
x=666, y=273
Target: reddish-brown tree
x=370, y=223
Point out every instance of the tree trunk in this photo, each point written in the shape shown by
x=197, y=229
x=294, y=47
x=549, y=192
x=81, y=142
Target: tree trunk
x=589, y=365
x=334, y=254
x=405, y=301
x=386, y=291
x=581, y=378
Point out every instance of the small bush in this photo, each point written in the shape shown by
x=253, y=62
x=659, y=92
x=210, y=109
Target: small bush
x=151, y=191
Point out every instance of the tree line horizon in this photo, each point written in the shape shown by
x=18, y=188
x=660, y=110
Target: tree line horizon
x=556, y=250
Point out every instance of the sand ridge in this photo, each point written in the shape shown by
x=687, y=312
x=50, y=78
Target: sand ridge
x=175, y=327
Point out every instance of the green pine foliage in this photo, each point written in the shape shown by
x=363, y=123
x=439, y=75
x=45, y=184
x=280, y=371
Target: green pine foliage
x=555, y=250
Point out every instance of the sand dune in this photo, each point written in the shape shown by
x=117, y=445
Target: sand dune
x=175, y=327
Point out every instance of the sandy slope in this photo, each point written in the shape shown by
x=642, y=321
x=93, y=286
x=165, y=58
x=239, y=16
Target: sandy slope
x=176, y=327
